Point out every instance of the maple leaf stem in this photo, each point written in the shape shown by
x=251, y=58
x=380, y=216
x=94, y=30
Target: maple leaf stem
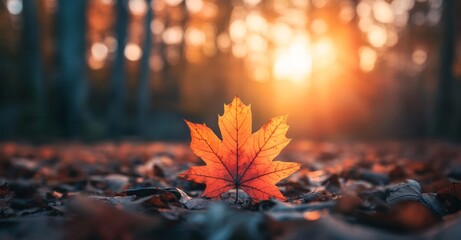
x=236, y=193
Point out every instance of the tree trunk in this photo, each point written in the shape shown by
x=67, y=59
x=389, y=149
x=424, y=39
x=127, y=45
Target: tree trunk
x=33, y=70
x=117, y=88
x=144, y=80
x=443, y=112
x=72, y=85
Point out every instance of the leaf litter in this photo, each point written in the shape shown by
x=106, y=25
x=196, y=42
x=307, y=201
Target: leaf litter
x=132, y=190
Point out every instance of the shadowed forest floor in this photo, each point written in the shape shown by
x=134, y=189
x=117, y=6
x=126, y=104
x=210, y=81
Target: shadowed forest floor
x=404, y=190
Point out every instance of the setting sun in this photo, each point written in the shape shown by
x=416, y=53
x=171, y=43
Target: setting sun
x=294, y=63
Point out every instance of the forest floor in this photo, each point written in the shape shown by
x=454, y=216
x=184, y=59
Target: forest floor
x=388, y=190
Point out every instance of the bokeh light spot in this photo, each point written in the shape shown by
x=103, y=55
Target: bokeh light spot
x=368, y=58
x=419, y=56
x=14, y=6
x=99, y=51
x=377, y=36
x=133, y=52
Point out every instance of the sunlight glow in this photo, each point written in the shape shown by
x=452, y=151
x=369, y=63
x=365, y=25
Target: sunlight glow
x=239, y=50
x=133, y=52
x=433, y=17
x=252, y=2
x=368, y=58
x=346, y=14
x=319, y=26
x=173, y=35
x=95, y=64
x=173, y=2
x=256, y=23
x=237, y=30
x=382, y=11
x=210, y=10
x=157, y=26
x=363, y=9
x=195, y=36
x=111, y=43
x=392, y=38
x=365, y=24
x=223, y=42
x=319, y=3
x=295, y=62
x=173, y=55
x=194, y=6
x=312, y=215
x=281, y=33
x=418, y=18
x=401, y=20
x=108, y=2
x=14, y=6
x=99, y=51
x=256, y=43
x=260, y=74
x=323, y=53
x=401, y=6
x=419, y=56
x=156, y=63
x=377, y=36
x=137, y=7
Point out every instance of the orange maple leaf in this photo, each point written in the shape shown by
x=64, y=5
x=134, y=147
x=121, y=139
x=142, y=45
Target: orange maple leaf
x=242, y=159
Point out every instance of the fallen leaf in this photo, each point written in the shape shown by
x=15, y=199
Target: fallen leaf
x=405, y=216
x=5, y=196
x=450, y=196
x=410, y=190
x=347, y=204
x=113, y=182
x=242, y=159
x=163, y=200
x=222, y=222
x=453, y=190
x=455, y=172
x=431, y=200
x=332, y=184
x=369, y=176
x=95, y=219
x=283, y=211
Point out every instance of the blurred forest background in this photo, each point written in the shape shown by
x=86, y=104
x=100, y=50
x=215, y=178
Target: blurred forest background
x=133, y=69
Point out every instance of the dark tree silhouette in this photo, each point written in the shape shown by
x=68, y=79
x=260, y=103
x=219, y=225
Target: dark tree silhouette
x=71, y=83
x=444, y=104
x=143, y=87
x=34, y=95
x=117, y=88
